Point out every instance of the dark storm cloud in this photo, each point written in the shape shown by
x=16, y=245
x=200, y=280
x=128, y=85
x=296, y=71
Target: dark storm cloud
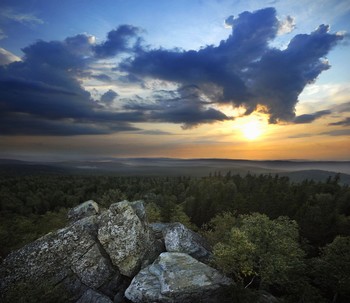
x=244, y=69
x=109, y=96
x=185, y=106
x=30, y=125
x=42, y=94
x=308, y=118
x=345, y=122
x=122, y=39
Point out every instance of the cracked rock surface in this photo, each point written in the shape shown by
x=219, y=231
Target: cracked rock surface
x=88, y=254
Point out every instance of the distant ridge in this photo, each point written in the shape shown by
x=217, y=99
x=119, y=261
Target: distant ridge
x=296, y=170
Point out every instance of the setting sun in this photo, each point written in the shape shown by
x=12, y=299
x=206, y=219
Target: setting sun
x=252, y=130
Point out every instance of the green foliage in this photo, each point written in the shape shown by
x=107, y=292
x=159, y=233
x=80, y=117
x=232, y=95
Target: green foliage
x=267, y=249
x=236, y=256
x=17, y=231
x=111, y=196
x=247, y=244
x=219, y=227
x=334, y=267
x=178, y=215
x=153, y=213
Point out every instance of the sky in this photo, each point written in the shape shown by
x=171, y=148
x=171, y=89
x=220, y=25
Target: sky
x=232, y=79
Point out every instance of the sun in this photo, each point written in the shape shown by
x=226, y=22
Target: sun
x=251, y=130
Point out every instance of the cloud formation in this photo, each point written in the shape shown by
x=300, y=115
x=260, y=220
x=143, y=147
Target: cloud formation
x=123, y=39
x=109, y=96
x=286, y=25
x=345, y=122
x=185, y=106
x=308, y=118
x=45, y=89
x=24, y=18
x=42, y=94
x=244, y=69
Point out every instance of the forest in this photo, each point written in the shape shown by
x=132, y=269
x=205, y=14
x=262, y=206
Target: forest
x=268, y=233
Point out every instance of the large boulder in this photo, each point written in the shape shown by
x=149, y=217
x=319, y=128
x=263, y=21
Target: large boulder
x=178, y=238
x=125, y=236
x=67, y=261
x=176, y=277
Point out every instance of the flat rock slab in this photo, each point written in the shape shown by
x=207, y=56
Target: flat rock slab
x=176, y=277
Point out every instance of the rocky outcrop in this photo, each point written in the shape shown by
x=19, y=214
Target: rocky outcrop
x=69, y=259
x=86, y=209
x=178, y=238
x=176, y=277
x=93, y=252
x=125, y=237
x=95, y=257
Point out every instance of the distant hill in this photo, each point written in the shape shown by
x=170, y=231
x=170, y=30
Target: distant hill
x=295, y=170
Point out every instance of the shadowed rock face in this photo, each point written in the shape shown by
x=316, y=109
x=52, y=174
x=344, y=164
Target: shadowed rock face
x=91, y=296
x=70, y=258
x=176, y=277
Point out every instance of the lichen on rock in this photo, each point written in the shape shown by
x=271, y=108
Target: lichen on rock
x=176, y=277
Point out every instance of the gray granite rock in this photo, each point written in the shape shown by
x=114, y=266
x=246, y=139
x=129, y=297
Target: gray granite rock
x=176, y=277
x=91, y=253
x=178, y=238
x=125, y=237
x=68, y=260
x=86, y=209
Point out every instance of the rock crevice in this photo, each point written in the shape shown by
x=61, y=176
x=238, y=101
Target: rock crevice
x=96, y=256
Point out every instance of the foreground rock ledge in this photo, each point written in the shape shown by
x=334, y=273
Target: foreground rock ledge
x=96, y=251
x=176, y=277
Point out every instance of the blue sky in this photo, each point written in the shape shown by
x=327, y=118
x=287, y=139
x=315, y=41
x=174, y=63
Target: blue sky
x=175, y=78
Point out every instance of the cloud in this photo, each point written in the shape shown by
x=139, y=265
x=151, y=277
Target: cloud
x=345, y=122
x=23, y=124
x=308, y=118
x=342, y=108
x=24, y=18
x=123, y=39
x=42, y=94
x=229, y=22
x=102, y=77
x=109, y=96
x=338, y=132
x=6, y=57
x=244, y=69
x=46, y=89
x=302, y=135
x=286, y=25
x=154, y=132
x=333, y=133
x=185, y=106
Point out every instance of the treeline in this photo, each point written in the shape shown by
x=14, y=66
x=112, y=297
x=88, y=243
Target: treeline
x=222, y=207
